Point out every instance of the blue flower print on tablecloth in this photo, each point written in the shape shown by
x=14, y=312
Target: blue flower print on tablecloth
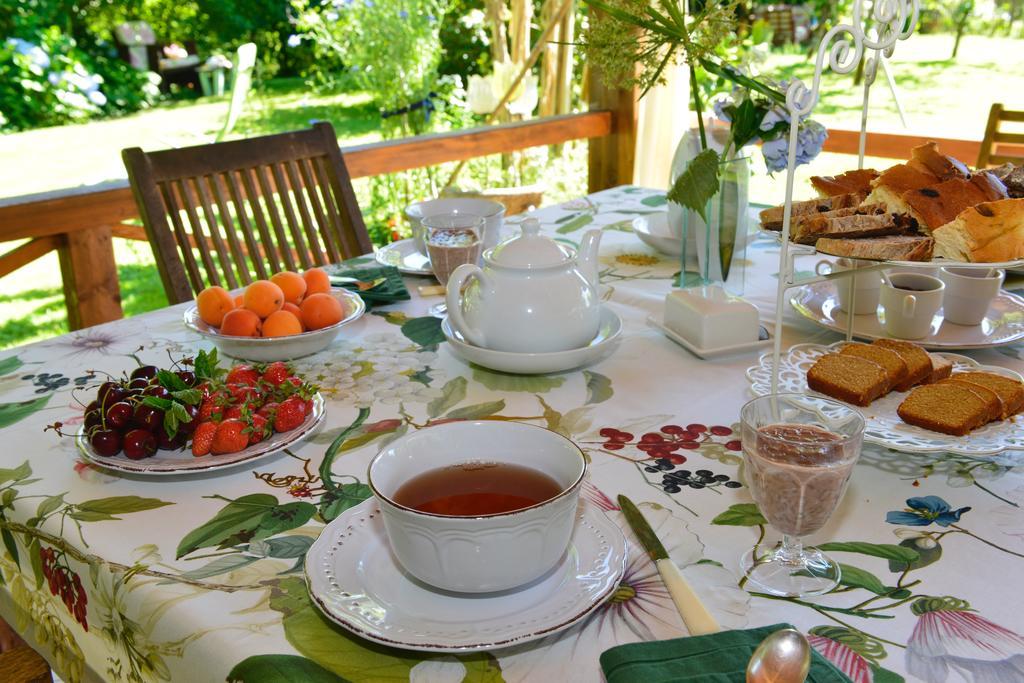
x=924, y=511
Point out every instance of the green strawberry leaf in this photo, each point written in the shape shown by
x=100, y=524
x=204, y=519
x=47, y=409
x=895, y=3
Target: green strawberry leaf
x=157, y=402
x=170, y=381
x=190, y=396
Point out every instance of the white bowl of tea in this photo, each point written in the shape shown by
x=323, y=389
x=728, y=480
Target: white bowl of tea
x=478, y=506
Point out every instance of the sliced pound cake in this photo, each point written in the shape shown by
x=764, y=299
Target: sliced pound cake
x=895, y=367
x=919, y=363
x=950, y=408
x=1010, y=391
x=991, y=398
x=848, y=378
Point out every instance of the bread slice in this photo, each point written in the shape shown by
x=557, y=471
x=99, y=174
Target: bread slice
x=896, y=370
x=771, y=218
x=927, y=158
x=947, y=408
x=893, y=248
x=990, y=232
x=862, y=221
x=936, y=205
x=848, y=378
x=1010, y=391
x=1012, y=177
x=887, y=187
x=844, y=183
x=942, y=368
x=991, y=398
x=919, y=362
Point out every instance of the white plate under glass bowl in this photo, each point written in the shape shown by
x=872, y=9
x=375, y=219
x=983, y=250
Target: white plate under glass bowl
x=1003, y=324
x=183, y=462
x=269, y=349
x=882, y=425
x=653, y=231
x=356, y=581
x=405, y=256
x=539, y=363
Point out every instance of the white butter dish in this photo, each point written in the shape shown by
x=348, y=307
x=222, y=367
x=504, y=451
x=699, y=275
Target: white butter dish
x=764, y=339
x=708, y=317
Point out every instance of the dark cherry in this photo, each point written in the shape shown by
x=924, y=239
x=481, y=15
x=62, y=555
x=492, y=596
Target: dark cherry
x=187, y=376
x=93, y=419
x=139, y=444
x=93, y=407
x=106, y=442
x=148, y=417
x=157, y=391
x=187, y=428
x=146, y=372
x=119, y=415
x=105, y=388
x=139, y=383
x=167, y=443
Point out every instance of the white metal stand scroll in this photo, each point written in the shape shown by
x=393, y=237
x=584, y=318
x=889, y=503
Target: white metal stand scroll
x=845, y=45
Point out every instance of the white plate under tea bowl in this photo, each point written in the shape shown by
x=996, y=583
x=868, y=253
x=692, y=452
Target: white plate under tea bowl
x=405, y=256
x=653, y=231
x=1003, y=324
x=881, y=423
x=268, y=349
x=183, y=462
x=604, y=343
x=355, y=580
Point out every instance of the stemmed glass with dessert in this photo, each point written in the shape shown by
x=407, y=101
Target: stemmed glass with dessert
x=452, y=240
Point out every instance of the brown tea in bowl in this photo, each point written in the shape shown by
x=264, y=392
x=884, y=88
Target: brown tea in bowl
x=473, y=489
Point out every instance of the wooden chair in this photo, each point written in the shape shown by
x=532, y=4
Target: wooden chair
x=993, y=137
x=19, y=663
x=232, y=212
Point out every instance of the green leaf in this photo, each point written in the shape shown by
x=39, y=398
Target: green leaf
x=481, y=667
x=245, y=513
x=884, y=550
x=35, y=560
x=11, y=413
x=599, y=387
x=157, y=402
x=333, y=503
x=859, y=578
x=503, y=381
x=49, y=504
x=880, y=675
x=7, y=497
x=120, y=505
x=86, y=516
x=575, y=224
x=281, y=669
x=220, y=565
x=288, y=547
x=326, y=476
x=654, y=200
x=190, y=396
x=22, y=471
x=475, y=412
x=741, y=514
x=926, y=556
x=452, y=394
x=205, y=365
x=9, y=365
x=425, y=331
x=169, y=380
x=9, y=542
x=283, y=518
x=695, y=186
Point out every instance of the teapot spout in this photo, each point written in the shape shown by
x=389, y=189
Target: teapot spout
x=586, y=259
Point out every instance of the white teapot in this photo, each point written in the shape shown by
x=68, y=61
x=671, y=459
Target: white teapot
x=533, y=295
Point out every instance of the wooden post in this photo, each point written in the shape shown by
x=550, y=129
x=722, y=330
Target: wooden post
x=612, y=157
x=92, y=293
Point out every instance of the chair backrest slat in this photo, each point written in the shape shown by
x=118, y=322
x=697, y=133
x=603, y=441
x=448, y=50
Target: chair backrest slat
x=231, y=212
x=993, y=137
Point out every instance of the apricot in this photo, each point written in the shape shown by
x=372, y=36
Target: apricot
x=321, y=310
x=213, y=303
x=317, y=281
x=281, y=324
x=241, y=322
x=294, y=310
x=292, y=284
x=238, y=301
x=263, y=297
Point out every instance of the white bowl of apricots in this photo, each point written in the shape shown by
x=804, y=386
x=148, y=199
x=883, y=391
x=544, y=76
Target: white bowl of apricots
x=288, y=316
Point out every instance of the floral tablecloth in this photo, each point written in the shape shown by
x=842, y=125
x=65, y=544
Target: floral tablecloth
x=200, y=578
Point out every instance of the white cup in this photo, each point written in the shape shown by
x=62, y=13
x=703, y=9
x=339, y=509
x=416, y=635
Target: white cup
x=866, y=285
x=969, y=291
x=490, y=552
x=492, y=212
x=910, y=303
x=923, y=269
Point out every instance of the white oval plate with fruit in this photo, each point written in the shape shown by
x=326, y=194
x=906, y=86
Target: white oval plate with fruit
x=271, y=401
x=264, y=322
x=882, y=425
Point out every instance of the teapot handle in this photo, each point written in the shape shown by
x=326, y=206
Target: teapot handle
x=453, y=299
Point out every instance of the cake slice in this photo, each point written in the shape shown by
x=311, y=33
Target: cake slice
x=989, y=232
x=893, y=248
x=935, y=205
x=844, y=183
x=1010, y=391
x=919, y=362
x=896, y=370
x=942, y=368
x=927, y=158
x=991, y=398
x=860, y=221
x=947, y=408
x=848, y=378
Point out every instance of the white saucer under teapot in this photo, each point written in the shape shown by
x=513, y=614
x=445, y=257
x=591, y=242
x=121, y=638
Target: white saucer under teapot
x=533, y=295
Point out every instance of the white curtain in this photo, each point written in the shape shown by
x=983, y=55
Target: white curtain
x=663, y=117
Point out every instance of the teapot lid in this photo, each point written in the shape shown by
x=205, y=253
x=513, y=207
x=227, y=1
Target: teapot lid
x=529, y=249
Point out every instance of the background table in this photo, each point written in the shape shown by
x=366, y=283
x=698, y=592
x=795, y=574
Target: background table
x=196, y=578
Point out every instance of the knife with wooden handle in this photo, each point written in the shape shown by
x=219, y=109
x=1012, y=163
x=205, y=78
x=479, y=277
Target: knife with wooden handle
x=695, y=615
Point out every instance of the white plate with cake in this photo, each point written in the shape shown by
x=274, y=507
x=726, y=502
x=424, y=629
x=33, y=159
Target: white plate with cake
x=932, y=393
x=1003, y=324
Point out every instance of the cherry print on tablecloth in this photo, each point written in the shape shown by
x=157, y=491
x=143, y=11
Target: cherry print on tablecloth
x=62, y=581
x=668, y=440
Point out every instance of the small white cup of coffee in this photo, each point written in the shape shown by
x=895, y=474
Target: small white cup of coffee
x=909, y=304
x=969, y=291
x=866, y=285
x=432, y=469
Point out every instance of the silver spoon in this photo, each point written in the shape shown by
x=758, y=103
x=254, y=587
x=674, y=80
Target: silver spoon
x=782, y=657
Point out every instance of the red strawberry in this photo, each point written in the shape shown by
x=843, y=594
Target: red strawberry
x=267, y=410
x=231, y=437
x=309, y=406
x=244, y=393
x=243, y=374
x=211, y=409
x=204, y=389
x=276, y=373
x=233, y=413
x=258, y=429
x=202, y=438
x=290, y=414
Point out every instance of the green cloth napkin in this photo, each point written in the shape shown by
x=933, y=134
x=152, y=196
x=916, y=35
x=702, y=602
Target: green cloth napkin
x=388, y=292
x=714, y=658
